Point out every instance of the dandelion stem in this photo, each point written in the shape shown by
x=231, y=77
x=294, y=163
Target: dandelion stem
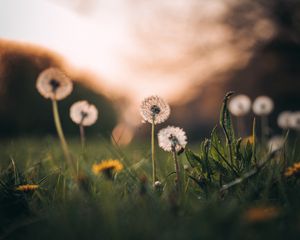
x=176, y=169
x=61, y=134
x=82, y=135
x=264, y=129
x=82, y=140
x=241, y=126
x=153, y=152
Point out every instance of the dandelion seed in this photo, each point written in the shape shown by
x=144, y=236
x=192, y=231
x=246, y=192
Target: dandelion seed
x=263, y=106
x=171, y=138
x=295, y=120
x=54, y=84
x=276, y=143
x=27, y=187
x=240, y=105
x=293, y=170
x=154, y=109
x=284, y=120
x=108, y=167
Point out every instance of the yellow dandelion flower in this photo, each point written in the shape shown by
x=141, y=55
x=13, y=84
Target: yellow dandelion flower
x=249, y=139
x=108, y=167
x=261, y=214
x=293, y=170
x=27, y=187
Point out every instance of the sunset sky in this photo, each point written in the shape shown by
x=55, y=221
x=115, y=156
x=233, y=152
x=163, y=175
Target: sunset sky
x=138, y=48
x=88, y=41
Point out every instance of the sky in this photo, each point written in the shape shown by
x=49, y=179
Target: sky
x=104, y=40
x=88, y=41
x=98, y=40
x=138, y=48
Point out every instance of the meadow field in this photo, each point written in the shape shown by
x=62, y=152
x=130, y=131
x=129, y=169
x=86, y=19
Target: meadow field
x=159, y=120
x=228, y=188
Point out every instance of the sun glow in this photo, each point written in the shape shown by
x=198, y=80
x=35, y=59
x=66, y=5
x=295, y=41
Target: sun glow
x=87, y=42
x=136, y=50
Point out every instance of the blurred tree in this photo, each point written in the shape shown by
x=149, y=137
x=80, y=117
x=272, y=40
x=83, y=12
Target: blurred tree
x=250, y=46
x=23, y=111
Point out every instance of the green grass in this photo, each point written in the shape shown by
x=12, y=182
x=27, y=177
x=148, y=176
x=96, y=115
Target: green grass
x=231, y=189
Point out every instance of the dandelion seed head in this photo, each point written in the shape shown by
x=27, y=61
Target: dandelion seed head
x=154, y=108
x=295, y=120
x=54, y=84
x=263, y=106
x=284, y=119
x=170, y=138
x=157, y=184
x=275, y=143
x=82, y=112
x=293, y=170
x=240, y=105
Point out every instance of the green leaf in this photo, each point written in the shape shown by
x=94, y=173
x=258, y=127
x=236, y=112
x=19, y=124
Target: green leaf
x=193, y=159
x=247, y=155
x=225, y=119
x=226, y=124
x=220, y=168
x=253, y=157
x=217, y=151
x=206, y=148
x=238, y=153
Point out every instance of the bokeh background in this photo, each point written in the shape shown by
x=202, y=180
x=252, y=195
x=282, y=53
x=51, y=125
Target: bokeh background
x=190, y=52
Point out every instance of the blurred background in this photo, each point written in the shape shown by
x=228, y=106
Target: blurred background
x=190, y=52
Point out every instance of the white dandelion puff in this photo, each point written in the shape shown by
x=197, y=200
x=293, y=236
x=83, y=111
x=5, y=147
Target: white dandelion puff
x=54, y=84
x=276, y=143
x=157, y=184
x=155, y=109
x=284, y=119
x=295, y=120
x=240, y=105
x=83, y=113
x=172, y=138
x=263, y=106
